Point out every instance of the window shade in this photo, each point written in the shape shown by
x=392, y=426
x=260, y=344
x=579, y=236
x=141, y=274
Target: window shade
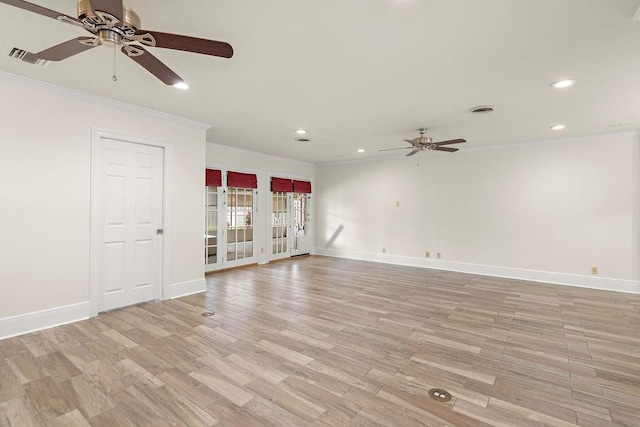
x=242, y=180
x=301, y=186
x=213, y=178
x=281, y=184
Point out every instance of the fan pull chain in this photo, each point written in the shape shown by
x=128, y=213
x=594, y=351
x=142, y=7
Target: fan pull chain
x=114, y=78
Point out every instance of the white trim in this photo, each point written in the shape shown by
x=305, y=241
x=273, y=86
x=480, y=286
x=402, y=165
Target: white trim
x=44, y=319
x=593, y=282
x=100, y=100
x=183, y=289
x=167, y=200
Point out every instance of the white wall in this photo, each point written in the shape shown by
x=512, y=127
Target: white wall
x=542, y=211
x=45, y=141
x=265, y=166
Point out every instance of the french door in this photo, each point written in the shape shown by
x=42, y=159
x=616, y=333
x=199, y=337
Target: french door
x=290, y=218
x=230, y=238
x=211, y=228
x=300, y=224
x=239, y=228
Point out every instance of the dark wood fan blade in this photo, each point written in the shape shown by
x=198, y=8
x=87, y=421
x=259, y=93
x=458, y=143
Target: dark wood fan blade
x=410, y=141
x=190, y=44
x=451, y=141
x=155, y=67
x=413, y=152
x=36, y=9
x=392, y=149
x=112, y=7
x=64, y=50
x=450, y=150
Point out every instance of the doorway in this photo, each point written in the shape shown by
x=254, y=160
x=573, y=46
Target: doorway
x=290, y=224
x=230, y=228
x=127, y=196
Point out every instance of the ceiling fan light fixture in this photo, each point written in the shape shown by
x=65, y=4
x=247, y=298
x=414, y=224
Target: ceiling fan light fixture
x=181, y=85
x=563, y=84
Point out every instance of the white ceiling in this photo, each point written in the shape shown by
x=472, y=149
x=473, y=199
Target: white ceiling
x=367, y=73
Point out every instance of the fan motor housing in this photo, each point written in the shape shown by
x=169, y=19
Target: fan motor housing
x=130, y=17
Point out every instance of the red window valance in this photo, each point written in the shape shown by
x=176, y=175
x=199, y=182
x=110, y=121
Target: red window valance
x=242, y=180
x=213, y=178
x=301, y=186
x=281, y=184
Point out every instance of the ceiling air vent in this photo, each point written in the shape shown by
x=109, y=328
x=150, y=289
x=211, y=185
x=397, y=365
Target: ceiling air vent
x=482, y=109
x=29, y=57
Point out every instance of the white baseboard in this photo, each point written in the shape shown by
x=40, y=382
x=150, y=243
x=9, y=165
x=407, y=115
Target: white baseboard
x=593, y=282
x=183, y=289
x=44, y=319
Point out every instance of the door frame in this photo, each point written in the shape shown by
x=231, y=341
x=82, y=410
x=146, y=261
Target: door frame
x=308, y=220
x=222, y=215
x=97, y=135
x=310, y=234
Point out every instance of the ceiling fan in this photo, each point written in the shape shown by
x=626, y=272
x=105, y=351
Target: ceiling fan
x=423, y=143
x=113, y=24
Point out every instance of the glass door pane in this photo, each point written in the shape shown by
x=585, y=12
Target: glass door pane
x=300, y=223
x=279, y=223
x=240, y=223
x=211, y=226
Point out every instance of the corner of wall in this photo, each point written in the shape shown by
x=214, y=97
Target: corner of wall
x=177, y=290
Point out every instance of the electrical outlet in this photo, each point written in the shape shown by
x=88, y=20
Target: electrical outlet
x=439, y=255
x=427, y=254
x=384, y=250
x=594, y=271
x=398, y=204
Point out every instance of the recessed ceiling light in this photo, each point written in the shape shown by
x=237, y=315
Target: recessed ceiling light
x=558, y=127
x=361, y=150
x=301, y=131
x=181, y=85
x=561, y=84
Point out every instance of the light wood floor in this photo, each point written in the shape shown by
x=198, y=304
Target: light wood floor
x=321, y=341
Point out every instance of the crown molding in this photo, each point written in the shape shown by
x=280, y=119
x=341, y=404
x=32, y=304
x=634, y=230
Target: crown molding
x=258, y=153
x=509, y=146
x=100, y=100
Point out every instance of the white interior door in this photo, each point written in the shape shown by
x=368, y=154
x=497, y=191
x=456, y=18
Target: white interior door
x=128, y=230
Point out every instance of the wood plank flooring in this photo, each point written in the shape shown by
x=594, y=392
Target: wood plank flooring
x=329, y=342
